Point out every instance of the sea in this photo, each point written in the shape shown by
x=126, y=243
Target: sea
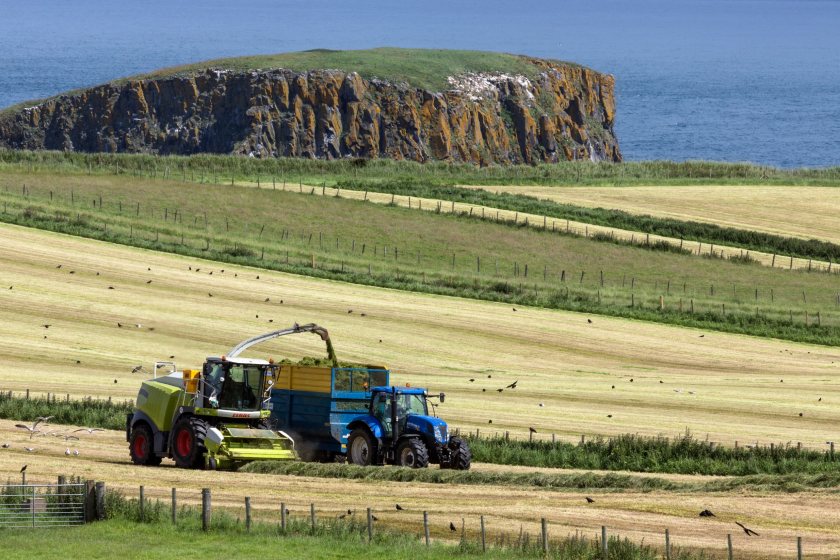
x=729, y=80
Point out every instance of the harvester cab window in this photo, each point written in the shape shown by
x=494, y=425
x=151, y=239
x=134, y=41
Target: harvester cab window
x=382, y=411
x=213, y=378
x=241, y=387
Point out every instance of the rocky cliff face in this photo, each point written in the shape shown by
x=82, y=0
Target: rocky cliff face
x=566, y=112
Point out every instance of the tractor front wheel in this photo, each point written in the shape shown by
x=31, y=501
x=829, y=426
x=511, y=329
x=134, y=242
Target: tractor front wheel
x=141, y=446
x=362, y=448
x=460, y=457
x=188, y=442
x=413, y=453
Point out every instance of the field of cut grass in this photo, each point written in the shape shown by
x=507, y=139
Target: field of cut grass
x=628, y=505
x=728, y=386
x=804, y=212
x=447, y=254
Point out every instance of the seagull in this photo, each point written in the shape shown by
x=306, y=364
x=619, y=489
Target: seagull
x=76, y=452
x=589, y=500
x=88, y=430
x=707, y=513
x=28, y=450
x=67, y=451
x=749, y=532
x=6, y=445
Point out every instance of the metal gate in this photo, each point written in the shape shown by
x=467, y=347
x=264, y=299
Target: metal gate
x=42, y=505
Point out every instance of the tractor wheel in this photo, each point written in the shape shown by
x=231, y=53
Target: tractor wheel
x=459, y=455
x=141, y=446
x=362, y=448
x=412, y=453
x=188, y=442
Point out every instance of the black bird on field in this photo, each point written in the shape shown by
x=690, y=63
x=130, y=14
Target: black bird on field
x=609, y=415
x=589, y=500
x=613, y=386
x=342, y=516
x=46, y=326
x=349, y=512
x=749, y=532
x=532, y=430
x=119, y=325
x=484, y=390
x=148, y=281
x=209, y=294
x=589, y=321
x=490, y=421
x=451, y=525
x=110, y=287
x=707, y=513
x=23, y=469
x=266, y=299
x=371, y=515
x=489, y=376
x=661, y=381
x=399, y=507
x=472, y=380
x=500, y=390
x=512, y=385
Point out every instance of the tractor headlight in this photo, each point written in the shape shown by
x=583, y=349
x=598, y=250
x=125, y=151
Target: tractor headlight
x=440, y=433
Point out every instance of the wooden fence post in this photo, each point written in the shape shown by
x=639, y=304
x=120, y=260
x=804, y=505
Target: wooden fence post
x=205, y=509
x=369, y=525
x=283, y=516
x=174, y=506
x=426, y=526
x=99, y=492
x=142, y=503
x=604, y=546
x=312, y=515
x=483, y=536
x=544, y=535
x=729, y=545
x=667, y=545
x=247, y=513
x=798, y=548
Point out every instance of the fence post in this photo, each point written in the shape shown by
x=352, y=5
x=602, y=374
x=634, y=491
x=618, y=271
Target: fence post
x=729, y=545
x=426, y=526
x=604, y=546
x=369, y=524
x=90, y=501
x=142, y=503
x=99, y=500
x=247, y=513
x=174, y=507
x=544, y=526
x=798, y=548
x=205, y=509
x=667, y=545
x=483, y=536
x=312, y=515
x=283, y=516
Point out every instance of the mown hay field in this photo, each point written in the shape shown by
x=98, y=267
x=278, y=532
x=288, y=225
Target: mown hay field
x=640, y=516
x=809, y=212
x=666, y=379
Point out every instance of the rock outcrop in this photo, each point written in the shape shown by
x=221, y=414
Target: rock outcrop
x=562, y=112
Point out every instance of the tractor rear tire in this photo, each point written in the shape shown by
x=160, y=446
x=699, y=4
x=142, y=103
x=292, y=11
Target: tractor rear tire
x=412, y=453
x=460, y=456
x=188, y=442
x=141, y=446
x=362, y=448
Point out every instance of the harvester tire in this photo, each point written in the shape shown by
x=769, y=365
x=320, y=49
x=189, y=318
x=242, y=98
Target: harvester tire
x=362, y=448
x=188, y=442
x=412, y=453
x=141, y=446
x=460, y=457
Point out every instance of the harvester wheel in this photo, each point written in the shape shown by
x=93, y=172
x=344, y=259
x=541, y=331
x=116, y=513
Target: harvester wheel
x=362, y=448
x=188, y=442
x=141, y=446
x=459, y=455
x=413, y=453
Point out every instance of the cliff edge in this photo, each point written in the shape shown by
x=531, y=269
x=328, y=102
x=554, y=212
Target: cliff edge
x=526, y=110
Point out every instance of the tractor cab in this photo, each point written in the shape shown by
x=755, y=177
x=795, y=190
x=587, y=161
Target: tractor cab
x=404, y=410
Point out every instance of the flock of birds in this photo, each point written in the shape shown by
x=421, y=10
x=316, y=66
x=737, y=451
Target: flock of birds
x=35, y=430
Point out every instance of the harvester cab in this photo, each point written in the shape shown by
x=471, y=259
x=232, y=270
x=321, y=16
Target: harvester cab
x=399, y=430
x=216, y=417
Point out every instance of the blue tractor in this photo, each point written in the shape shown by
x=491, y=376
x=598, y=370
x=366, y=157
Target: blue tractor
x=399, y=430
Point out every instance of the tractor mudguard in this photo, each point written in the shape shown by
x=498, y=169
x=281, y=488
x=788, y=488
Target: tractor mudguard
x=370, y=422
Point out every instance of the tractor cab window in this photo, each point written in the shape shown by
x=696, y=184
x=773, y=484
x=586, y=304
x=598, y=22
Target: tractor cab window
x=214, y=374
x=382, y=411
x=241, y=388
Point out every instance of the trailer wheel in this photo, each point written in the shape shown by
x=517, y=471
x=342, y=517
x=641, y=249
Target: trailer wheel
x=459, y=455
x=362, y=448
x=413, y=453
x=188, y=442
x=141, y=447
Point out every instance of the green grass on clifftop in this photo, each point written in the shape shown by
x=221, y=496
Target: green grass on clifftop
x=423, y=68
